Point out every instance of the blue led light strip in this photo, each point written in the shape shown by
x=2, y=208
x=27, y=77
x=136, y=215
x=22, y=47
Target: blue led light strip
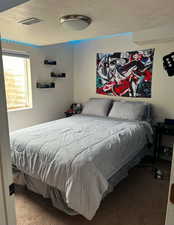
x=99, y=38
x=74, y=42
x=19, y=43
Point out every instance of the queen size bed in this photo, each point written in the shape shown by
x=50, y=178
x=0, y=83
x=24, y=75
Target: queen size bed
x=75, y=161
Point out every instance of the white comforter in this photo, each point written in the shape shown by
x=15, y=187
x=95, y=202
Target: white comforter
x=78, y=155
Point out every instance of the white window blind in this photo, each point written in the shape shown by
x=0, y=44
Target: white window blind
x=17, y=80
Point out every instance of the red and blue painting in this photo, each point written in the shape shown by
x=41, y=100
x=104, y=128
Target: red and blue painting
x=126, y=73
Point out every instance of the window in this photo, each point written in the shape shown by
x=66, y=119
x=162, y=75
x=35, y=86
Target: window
x=17, y=80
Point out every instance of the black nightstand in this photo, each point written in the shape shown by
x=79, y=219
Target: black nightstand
x=160, y=130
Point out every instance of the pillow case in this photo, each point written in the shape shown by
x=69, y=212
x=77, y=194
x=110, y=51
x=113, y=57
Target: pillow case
x=147, y=111
x=97, y=107
x=128, y=110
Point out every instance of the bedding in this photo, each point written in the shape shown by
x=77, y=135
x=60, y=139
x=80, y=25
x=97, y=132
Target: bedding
x=127, y=110
x=57, y=197
x=78, y=155
x=147, y=112
x=97, y=107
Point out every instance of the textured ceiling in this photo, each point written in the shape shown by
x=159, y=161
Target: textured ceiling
x=7, y=4
x=109, y=17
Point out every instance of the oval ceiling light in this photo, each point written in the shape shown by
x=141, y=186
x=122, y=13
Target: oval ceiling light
x=75, y=22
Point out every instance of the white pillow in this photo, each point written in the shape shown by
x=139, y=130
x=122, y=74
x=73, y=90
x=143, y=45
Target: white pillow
x=127, y=110
x=97, y=107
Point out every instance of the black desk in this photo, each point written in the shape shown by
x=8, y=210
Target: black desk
x=161, y=129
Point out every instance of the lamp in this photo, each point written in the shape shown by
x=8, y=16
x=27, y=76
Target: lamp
x=75, y=22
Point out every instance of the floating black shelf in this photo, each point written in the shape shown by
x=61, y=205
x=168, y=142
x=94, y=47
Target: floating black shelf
x=49, y=62
x=58, y=75
x=45, y=85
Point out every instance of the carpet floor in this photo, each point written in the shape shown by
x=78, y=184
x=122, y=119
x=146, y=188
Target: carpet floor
x=137, y=200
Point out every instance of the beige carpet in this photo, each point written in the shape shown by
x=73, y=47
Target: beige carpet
x=138, y=200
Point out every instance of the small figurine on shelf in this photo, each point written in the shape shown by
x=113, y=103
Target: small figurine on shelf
x=75, y=108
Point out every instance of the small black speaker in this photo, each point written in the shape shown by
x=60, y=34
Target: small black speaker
x=168, y=63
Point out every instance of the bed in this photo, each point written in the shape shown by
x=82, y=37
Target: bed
x=75, y=161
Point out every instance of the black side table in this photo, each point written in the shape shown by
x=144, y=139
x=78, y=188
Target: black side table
x=160, y=130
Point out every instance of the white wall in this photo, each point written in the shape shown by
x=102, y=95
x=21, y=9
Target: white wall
x=85, y=72
x=80, y=60
x=48, y=104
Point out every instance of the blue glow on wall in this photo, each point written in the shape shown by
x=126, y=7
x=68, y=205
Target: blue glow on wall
x=9, y=41
x=75, y=42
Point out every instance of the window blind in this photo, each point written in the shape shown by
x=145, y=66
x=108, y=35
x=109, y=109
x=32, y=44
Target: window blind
x=17, y=80
x=15, y=54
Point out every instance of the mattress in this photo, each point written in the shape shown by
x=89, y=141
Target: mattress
x=78, y=155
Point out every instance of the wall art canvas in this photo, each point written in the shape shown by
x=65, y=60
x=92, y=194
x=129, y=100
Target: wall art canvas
x=126, y=74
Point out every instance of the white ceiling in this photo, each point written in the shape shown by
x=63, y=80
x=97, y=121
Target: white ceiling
x=7, y=4
x=109, y=17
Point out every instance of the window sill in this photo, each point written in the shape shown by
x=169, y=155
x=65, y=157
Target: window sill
x=20, y=109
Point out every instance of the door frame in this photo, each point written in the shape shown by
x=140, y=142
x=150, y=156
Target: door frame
x=170, y=206
x=7, y=204
x=2, y=202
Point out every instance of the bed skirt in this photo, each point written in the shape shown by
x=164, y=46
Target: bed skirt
x=57, y=197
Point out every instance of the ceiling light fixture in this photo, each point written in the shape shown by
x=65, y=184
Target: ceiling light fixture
x=75, y=22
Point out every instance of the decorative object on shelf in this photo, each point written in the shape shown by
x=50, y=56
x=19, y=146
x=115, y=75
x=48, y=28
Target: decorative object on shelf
x=127, y=74
x=45, y=85
x=75, y=22
x=49, y=62
x=75, y=108
x=53, y=75
x=168, y=63
x=58, y=75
